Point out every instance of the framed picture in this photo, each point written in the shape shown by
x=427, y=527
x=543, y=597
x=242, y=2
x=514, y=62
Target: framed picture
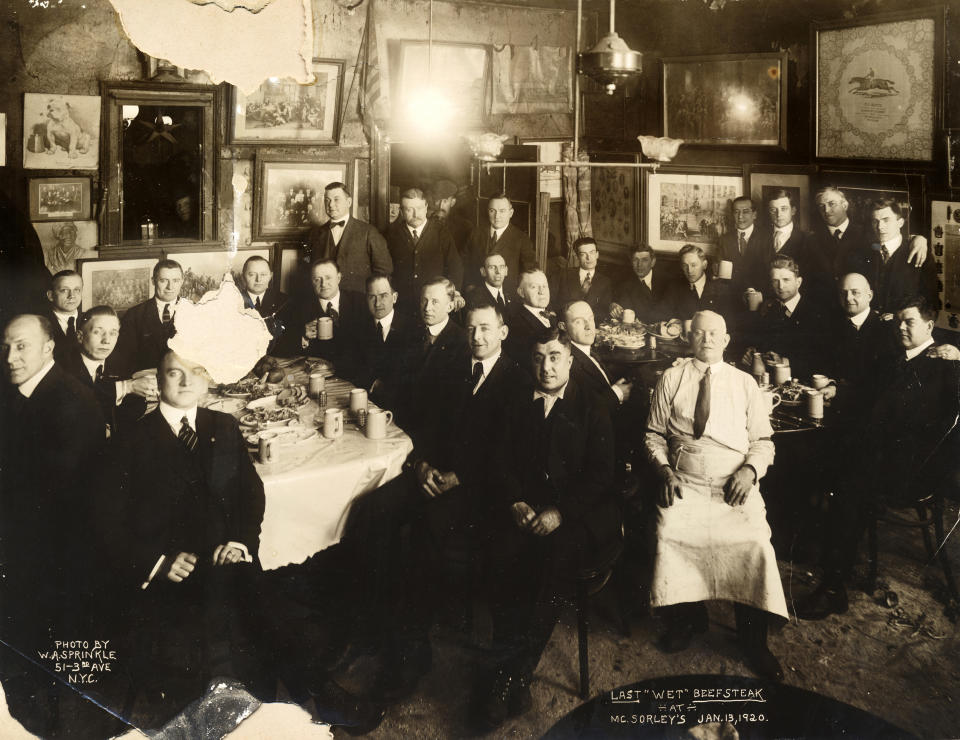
x=877, y=86
x=120, y=283
x=953, y=159
x=726, y=99
x=761, y=180
x=862, y=188
x=65, y=242
x=615, y=211
x=458, y=74
x=61, y=132
x=283, y=111
x=288, y=195
x=689, y=206
x=203, y=271
x=59, y=198
x=548, y=150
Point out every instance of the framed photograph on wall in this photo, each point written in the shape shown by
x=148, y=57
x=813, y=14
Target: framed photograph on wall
x=689, y=205
x=549, y=178
x=120, y=283
x=204, y=270
x=284, y=111
x=59, y=198
x=878, y=86
x=726, y=99
x=761, y=180
x=61, y=132
x=615, y=208
x=862, y=188
x=458, y=75
x=288, y=195
x=65, y=242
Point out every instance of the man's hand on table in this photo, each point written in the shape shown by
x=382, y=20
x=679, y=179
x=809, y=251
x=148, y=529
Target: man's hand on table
x=523, y=514
x=625, y=387
x=182, y=566
x=225, y=554
x=545, y=522
x=432, y=481
x=739, y=485
x=616, y=311
x=671, y=488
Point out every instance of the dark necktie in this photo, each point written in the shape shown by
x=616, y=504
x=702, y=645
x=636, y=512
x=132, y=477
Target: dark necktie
x=702, y=411
x=585, y=285
x=166, y=318
x=187, y=436
x=837, y=234
x=884, y=254
x=500, y=301
x=430, y=339
x=99, y=375
x=743, y=242
x=258, y=303
x=333, y=313
x=492, y=242
x=540, y=404
x=414, y=236
x=380, y=333
x=476, y=375
x=71, y=326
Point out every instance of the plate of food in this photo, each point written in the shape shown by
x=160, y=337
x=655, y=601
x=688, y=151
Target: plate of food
x=290, y=435
x=250, y=388
x=667, y=331
x=266, y=418
x=791, y=394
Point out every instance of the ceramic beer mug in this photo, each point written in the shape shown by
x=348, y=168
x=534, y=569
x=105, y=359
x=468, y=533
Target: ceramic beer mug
x=269, y=447
x=332, y=423
x=324, y=328
x=377, y=422
x=771, y=399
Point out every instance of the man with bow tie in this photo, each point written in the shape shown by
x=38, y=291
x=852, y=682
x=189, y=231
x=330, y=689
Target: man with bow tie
x=195, y=509
x=64, y=295
x=710, y=438
x=421, y=249
x=146, y=327
x=501, y=237
x=644, y=290
x=584, y=282
x=355, y=246
x=553, y=514
x=531, y=317
x=885, y=263
x=907, y=447
x=259, y=294
x=122, y=400
x=51, y=457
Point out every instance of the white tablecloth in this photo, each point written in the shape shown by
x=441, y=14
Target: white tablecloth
x=310, y=489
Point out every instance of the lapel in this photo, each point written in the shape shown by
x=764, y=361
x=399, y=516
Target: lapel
x=587, y=365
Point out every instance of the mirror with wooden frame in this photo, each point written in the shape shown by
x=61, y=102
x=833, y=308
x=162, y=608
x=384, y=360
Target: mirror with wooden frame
x=160, y=163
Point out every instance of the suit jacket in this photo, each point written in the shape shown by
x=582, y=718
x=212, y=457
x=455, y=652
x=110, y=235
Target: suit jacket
x=802, y=337
x=859, y=362
x=143, y=338
x=589, y=378
x=182, y=501
x=51, y=456
x=910, y=419
x=131, y=408
x=383, y=360
x=745, y=265
x=896, y=281
x=567, y=287
x=756, y=263
x=414, y=264
x=343, y=350
x=361, y=251
x=682, y=301
x=565, y=460
x=524, y=328
x=513, y=245
x=837, y=254
x=479, y=295
x=63, y=346
x=649, y=304
x=275, y=308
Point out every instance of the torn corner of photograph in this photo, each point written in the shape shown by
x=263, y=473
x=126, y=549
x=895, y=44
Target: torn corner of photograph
x=228, y=46
x=220, y=334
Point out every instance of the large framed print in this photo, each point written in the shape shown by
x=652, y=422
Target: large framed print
x=203, y=271
x=878, y=86
x=457, y=74
x=61, y=132
x=283, y=111
x=120, y=283
x=762, y=180
x=615, y=204
x=862, y=188
x=59, y=198
x=288, y=198
x=726, y=99
x=689, y=206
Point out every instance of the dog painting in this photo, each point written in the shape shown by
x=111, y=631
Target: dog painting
x=61, y=131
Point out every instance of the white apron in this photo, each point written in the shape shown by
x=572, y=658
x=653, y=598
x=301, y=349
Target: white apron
x=707, y=549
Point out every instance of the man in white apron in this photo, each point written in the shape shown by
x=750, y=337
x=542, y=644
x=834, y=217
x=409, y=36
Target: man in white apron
x=709, y=435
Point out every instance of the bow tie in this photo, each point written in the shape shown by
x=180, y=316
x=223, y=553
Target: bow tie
x=337, y=223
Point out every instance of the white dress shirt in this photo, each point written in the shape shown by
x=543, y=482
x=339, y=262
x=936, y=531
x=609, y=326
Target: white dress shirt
x=584, y=274
x=860, y=319
x=64, y=318
x=173, y=416
x=435, y=329
x=28, y=386
x=700, y=285
x=842, y=228
x=536, y=312
x=782, y=235
x=745, y=233
x=791, y=305
x=161, y=304
x=324, y=302
x=911, y=353
x=893, y=245
x=385, y=325
x=494, y=292
x=337, y=231
x=549, y=399
x=498, y=232
x=486, y=366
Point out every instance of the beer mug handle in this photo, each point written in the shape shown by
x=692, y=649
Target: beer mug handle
x=389, y=417
x=338, y=427
x=775, y=400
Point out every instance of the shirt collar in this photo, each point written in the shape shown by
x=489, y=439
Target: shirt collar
x=161, y=304
x=791, y=305
x=437, y=328
x=335, y=301
x=487, y=364
x=28, y=386
x=536, y=312
x=785, y=230
x=648, y=280
x=893, y=244
x=537, y=393
x=172, y=415
x=715, y=367
x=494, y=291
x=585, y=348
x=842, y=227
x=63, y=317
x=861, y=318
x=584, y=273
x=747, y=232
x=498, y=232
x=701, y=284
x=911, y=353
x=387, y=321
x=345, y=219
x=91, y=365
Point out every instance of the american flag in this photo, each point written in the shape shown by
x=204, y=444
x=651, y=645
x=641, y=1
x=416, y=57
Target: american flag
x=375, y=101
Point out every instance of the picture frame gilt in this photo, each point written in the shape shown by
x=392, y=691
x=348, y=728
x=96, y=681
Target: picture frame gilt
x=286, y=112
x=877, y=86
x=689, y=205
x=759, y=180
x=288, y=195
x=862, y=187
x=726, y=100
x=59, y=198
x=120, y=283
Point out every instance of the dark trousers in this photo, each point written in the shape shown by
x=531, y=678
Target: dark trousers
x=752, y=623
